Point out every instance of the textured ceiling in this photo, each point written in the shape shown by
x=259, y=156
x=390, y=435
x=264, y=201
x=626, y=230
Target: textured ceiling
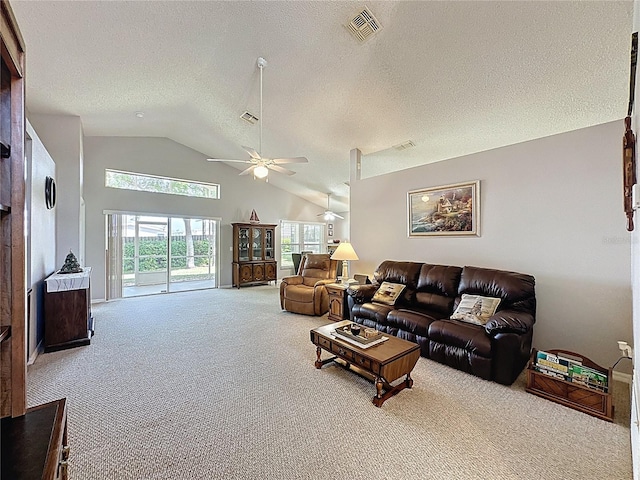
x=454, y=77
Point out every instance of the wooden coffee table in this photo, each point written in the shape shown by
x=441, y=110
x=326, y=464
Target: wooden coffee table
x=384, y=363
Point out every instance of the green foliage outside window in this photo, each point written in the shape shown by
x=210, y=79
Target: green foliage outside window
x=154, y=252
x=156, y=184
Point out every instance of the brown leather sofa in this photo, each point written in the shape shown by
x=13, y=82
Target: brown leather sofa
x=496, y=351
x=305, y=293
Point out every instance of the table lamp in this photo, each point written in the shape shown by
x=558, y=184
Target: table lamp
x=344, y=252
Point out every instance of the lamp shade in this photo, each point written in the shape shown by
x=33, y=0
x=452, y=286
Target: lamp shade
x=344, y=252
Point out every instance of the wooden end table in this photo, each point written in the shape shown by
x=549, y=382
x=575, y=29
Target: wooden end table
x=383, y=363
x=338, y=309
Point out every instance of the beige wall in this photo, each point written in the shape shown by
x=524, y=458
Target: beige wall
x=161, y=156
x=551, y=208
x=41, y=230
x=62, y=136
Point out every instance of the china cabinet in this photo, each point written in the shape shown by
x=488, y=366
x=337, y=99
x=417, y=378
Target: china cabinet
x=254, y=254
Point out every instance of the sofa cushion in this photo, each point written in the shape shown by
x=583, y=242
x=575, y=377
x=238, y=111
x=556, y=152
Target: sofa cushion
x=405, y=273
x=388, y=293
x=372, y=311
x=299, y=293
x=410, y=321
x=471, y=338
x=517, y=290
x=475, y=309
x=437, y=287
x=316, y=267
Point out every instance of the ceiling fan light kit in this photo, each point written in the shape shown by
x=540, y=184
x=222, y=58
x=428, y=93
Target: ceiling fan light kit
x=260, y=171
x=328, y=214
x=260, y=165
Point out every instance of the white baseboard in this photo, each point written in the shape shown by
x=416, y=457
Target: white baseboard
x=622, y=377
x=97, y=300
x=32, y=358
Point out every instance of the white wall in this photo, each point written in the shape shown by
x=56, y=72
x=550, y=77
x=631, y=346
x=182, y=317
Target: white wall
x=161, y=156
x=42, y=234
x=551, y=208
x=635, y=278
x=340, y=228
x=62, y=136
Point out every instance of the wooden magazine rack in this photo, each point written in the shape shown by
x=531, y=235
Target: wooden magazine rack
x=570, y=394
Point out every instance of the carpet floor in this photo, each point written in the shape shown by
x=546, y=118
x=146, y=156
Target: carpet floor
x=221, y=384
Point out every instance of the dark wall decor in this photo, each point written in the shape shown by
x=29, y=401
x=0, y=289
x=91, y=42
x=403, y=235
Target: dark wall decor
x=50, y=192
x=629, y=141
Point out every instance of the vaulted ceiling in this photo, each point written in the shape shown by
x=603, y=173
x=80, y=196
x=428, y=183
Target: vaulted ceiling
x=453, y=77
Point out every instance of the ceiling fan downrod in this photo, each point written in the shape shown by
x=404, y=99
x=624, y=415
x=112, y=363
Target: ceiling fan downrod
x=261, y=170
x=261, y=64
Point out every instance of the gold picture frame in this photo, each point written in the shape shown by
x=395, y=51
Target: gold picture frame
x=444, y=210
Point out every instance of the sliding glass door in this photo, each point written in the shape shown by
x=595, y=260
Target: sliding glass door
x=150, y=254
x=145, y=263
x=192, y=253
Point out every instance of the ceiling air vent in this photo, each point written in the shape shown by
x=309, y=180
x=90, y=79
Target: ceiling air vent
x=249, y=117
x=363, y=25
x=405, y=145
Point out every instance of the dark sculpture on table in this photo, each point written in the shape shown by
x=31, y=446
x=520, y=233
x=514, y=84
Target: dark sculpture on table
x=71, y=264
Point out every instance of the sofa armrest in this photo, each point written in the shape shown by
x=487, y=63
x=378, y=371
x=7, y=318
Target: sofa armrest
x=361, y=293
x=293, y=280
x=324, y=282
x=509, y=321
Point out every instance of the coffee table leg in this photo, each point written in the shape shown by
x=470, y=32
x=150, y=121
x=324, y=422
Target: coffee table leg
x=379, y=385
x=409, y=381
x=318, y=363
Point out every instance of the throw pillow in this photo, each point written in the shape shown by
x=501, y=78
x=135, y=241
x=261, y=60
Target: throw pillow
x=475, y=309
x=388, y=293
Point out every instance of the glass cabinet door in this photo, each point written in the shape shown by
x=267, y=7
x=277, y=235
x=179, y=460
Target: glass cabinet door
x=243, y=244
x=269, y=246
x=257, y=244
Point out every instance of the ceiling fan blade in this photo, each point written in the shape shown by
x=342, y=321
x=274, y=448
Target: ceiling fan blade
x=331, y=214
x=227, y=160
x=248, y=170
x=253, y=153
x=281, y=169
x=291, y=160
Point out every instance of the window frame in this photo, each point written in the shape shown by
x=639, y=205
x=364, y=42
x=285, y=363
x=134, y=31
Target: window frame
x=301, y=245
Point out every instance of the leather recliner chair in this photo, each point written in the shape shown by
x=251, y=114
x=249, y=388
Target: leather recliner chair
x=305, y=293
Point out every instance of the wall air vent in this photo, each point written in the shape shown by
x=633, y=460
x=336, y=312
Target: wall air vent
x=363, y=25
x=249, y=117
x=405, y=145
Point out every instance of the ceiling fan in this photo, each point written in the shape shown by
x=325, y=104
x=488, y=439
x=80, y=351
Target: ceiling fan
x=260, y=165
x=328, y=214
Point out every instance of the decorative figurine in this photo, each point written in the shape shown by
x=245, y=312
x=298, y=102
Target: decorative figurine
x=254, y=217
x=71, y=264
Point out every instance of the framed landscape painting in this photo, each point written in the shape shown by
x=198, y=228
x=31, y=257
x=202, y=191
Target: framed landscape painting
x=444, y=210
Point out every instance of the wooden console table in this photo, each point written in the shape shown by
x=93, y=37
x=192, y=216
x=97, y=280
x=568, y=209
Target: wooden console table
x=67, y=310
